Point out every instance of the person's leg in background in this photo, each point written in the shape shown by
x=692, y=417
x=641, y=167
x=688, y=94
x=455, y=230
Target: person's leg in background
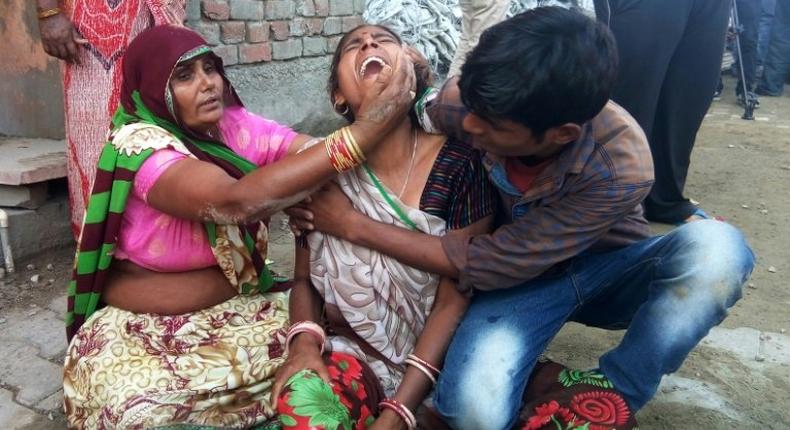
x=669, y=90
x=777, y=58
x=478, y=15
x=749, y=12
x=684, y=100
x=764, y=34
x=669, y=292
x=719, y=89
x=635, y=24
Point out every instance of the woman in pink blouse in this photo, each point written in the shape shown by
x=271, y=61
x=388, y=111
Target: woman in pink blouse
x=173, y=316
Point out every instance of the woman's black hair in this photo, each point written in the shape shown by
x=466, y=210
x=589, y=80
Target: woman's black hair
x=422, y=72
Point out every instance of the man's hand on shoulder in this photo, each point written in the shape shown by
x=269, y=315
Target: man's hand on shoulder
x=329, y=211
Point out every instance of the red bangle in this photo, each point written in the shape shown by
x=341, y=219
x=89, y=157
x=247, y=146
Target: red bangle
x=403, y=412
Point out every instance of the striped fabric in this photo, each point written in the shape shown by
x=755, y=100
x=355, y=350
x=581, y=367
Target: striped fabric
x=458, y=189
x=114, y=176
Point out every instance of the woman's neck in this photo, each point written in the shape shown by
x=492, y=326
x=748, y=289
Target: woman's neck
x=394, y=150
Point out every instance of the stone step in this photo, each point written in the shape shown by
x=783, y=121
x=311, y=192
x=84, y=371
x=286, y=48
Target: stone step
x=23, y=196
x=34, y=231
x=29, y=161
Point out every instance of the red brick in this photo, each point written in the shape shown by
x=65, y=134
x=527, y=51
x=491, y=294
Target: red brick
x=258, y=32
x=217, y=10
x=255, y=52
x=313, y=26
x=232, y=31
x=280, y=29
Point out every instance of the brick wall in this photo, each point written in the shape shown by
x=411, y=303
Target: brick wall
x=261, y=31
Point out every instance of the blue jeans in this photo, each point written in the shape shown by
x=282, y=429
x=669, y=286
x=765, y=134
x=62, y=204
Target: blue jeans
x=766, y=21
x=667, y=290
x=749, y=12
x=776, y=66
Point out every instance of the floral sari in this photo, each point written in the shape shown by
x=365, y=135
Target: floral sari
x=212, y=367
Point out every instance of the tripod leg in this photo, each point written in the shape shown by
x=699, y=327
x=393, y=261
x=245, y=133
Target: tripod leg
x=748, y=113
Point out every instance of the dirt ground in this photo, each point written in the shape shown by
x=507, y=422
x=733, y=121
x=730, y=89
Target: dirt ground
x=739, y=377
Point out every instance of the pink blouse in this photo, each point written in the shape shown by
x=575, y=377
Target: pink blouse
x=163, y=243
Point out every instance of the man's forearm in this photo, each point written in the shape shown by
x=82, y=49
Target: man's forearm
x=412, y=248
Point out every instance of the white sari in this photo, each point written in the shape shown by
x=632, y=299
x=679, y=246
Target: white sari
x=383, y=301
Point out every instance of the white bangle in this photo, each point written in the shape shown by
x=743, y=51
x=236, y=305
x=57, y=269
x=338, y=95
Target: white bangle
x=430, y=366
x=403, y=412
x=417, y=365
x=305, y=327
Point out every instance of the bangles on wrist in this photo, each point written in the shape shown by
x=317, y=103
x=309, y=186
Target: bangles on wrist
x=429, y=370
x=343, y=150
x=403, y=412
x=308, y=327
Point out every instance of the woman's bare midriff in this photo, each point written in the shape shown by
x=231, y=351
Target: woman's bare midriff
x=136, y=289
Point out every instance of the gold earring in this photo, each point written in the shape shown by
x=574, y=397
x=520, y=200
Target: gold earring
x=345, y=111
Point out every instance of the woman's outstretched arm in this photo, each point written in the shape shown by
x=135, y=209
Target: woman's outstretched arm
x=201, y=191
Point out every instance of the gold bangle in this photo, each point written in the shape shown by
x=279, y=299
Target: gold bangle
x=44, y=14
x=351, y=144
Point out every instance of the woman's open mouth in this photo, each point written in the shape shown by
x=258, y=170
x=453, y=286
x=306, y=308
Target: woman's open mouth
x=371, y=67
x=211, y=103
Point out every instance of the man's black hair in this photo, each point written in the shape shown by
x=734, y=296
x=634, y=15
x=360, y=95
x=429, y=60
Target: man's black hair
x=542, y=68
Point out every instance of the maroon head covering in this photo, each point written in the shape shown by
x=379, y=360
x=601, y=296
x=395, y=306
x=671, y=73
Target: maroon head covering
x=146, y=97
x=149, y=62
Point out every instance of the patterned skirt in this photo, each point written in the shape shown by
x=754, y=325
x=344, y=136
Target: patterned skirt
x=92, y=88
x=213, y=367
